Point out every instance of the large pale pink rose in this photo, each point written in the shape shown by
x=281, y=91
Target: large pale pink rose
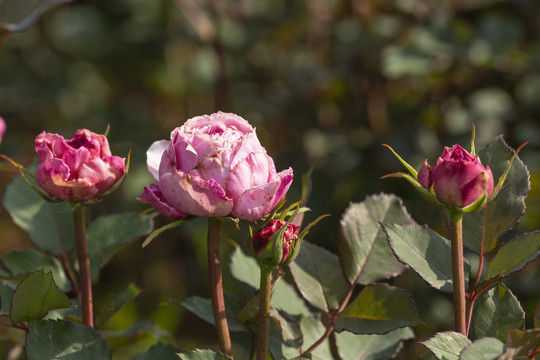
x=458, y=178
x=79, y=169
x=2, y=128
x=214, y=165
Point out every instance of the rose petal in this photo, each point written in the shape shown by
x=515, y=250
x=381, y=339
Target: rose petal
x=256, y=202
x=252, y=172
x=193, y=195
x=286, y=178
x=153, y=156
x=154, y=197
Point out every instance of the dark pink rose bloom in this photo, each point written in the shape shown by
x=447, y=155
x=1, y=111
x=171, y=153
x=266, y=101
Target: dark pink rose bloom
x=262, y=237
x=458, y=178
x=2, y=128
x=214, y=165
x=79, y=169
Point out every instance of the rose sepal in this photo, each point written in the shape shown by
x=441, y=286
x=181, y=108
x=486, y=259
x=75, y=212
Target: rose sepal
x=24, y=171
x=298, y=242
x=412, y=170
x=428, y=195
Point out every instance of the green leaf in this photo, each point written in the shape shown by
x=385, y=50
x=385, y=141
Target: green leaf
x=447, y=345
x=289, y=328
x=127, y=295
x=203, y=308
x=497, y=312
x=315, y=272
x=66, y=340
x=284, y=297
x=49, y=225
x=514, y=255
x=519, y=343
x=505, y=211
x=279, y=341
x=425, y=251
x=378, y=309
x=35, y=296
x=372, y=347
x=203, y=355
x=108, y=233
x=21, y=262
x=6, y=294
x=18, y=16
x=483, y=349
x=160, y=351
x=157, y=232
x=363, y=248
x=313, y=329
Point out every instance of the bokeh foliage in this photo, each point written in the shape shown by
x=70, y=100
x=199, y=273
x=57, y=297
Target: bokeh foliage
x=325, y=83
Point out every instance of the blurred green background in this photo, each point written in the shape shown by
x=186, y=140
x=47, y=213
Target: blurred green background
x=325, y=82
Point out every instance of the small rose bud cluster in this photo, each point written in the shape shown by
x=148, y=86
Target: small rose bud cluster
x=264, y=235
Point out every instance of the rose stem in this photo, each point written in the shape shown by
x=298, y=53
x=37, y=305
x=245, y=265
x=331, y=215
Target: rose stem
x=458, y=274
x=216, y=285
x=264, y=312
x=85, y=276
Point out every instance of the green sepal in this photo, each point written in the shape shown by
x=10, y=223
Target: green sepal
x=229, y=220
x=425, y=193
x=413, y=172
x=24, y=171
x=473, y=136
x=477, y=205
x=502, y=179
x=169, y=226
x=298, y=241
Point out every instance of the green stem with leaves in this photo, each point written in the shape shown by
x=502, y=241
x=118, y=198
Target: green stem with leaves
x=458, y=273
x=264, y=312
x=85, y=276
x=216, y=285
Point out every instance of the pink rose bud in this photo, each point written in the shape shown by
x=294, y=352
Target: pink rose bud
x=2, y=128
x=214, y=165
x=458, y=178
x=79, y=169
x=264, y=235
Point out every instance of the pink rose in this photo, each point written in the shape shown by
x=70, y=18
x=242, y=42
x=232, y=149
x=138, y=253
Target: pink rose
x=458, y=178
x=214, y=165
x=262, y=237
x=79, y=169
x=2, y=128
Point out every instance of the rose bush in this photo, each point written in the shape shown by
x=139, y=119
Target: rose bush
x=78, y=169
x=214, y=165
x=458, y=178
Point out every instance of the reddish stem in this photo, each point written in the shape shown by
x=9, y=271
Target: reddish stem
x=85, y=276
x=216, y=285
x=458, y=273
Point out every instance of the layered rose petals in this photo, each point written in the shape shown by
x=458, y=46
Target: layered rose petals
x=2, y=128
x=458, y=178
x=78, y=169
x=214, y=165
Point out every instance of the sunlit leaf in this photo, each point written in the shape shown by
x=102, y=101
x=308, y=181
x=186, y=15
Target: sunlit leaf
x=496, y=312
x=66, y=340
x=425, y=251
x=203, y=355
x=505, y=211
x=363, y=248
x=313, y=329
x=447, y=345
x=35, y=296
x=514, y=255
x=315, y=272
x=372, y=347
x=486, y=348
x=378, y=309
